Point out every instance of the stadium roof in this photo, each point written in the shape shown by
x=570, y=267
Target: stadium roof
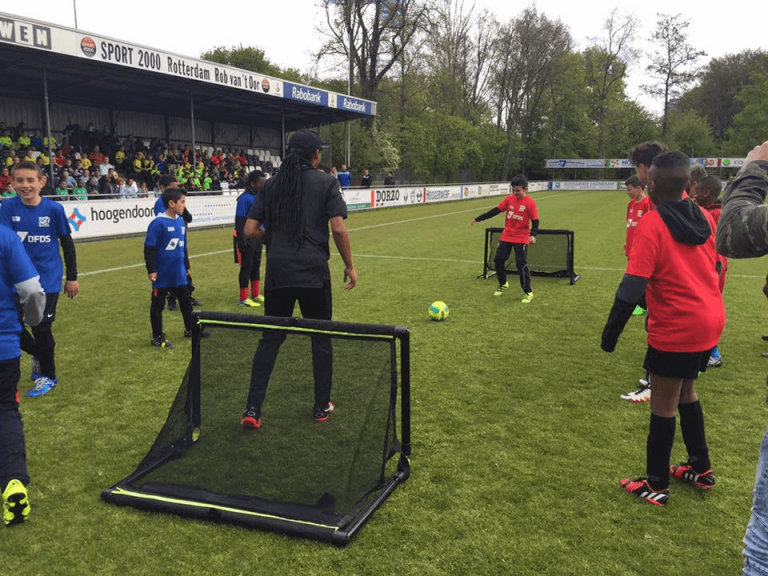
x=92, y=70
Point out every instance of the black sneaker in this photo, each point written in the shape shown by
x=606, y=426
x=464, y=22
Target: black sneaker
x=640, y=488
x=172, y=306
x=685, y=473
x=322, y=414
x=196, y=302
x=161, y=342
x=203, y=334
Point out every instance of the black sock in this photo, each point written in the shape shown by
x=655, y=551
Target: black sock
x=661, y=436
x=692, y=426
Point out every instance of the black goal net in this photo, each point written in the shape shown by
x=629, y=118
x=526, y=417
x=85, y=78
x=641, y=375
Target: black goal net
x=319, y=480
x=551, y=255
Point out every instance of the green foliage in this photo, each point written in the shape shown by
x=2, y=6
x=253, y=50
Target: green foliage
x=750, y=125
x=690, y=133
x=519, y=436
x=250, y=58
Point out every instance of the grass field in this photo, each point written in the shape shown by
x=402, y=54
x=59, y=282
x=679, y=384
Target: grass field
x=519, y=435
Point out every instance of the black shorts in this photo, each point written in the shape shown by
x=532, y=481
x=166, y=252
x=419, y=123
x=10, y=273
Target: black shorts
x=684, y=365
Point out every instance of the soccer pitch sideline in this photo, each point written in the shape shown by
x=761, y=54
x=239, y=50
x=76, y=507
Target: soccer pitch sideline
x=519, y=435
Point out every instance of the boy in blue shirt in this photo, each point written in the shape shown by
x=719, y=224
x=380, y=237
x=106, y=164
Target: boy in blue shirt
x=41, y=225
x=167, y=261
x=168, y=181
x=16, y=271
x=248, y=252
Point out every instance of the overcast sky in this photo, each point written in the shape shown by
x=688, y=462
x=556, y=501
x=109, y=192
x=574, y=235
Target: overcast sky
x=286, y=29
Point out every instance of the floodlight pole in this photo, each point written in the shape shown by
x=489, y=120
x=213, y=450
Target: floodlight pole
x=349, y=92
x=192, y=114
x=48, y=125
x=74, y=7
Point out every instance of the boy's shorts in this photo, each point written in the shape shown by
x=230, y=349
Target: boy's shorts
x=684, y=365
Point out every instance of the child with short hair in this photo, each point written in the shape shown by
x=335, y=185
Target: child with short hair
x=673, y=262
x=708, y=197
x=167, y=261
x=42, y=226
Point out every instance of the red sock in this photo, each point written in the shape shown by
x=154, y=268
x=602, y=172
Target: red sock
x=254, y=288
x=243, y=294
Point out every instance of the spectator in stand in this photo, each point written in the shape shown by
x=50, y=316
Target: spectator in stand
x=144, y=190
x=68, y=179
x=6, y=139
x=27, y=156
x=96, y=157
x=66, y=148
x=11, y=161
x=5, y=177
x=41, y=162
x=23, y=141
x=92, y=186
x=345, y=177
x=77, y=170
x=37, y=141
x=61, y=191
x=87, y=164
x=80, y=192
x=54, y=143
x=8, y=191
x=58, y=160
x=389, y=180
x=105, y=166
x=120, y=157
x=365, y=181
x=108, y=185
x=128, y=145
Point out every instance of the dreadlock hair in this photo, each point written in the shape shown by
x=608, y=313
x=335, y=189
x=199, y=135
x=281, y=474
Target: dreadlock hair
x=285, y=211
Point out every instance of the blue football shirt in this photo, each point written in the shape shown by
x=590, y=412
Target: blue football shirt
x=15, y=267
x=244, y=203
x=168, y=236
x=39, y=229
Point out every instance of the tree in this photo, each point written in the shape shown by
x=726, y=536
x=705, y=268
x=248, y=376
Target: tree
x=750, y=125
x=674, y=65
x=250, y=58
x=606, y=63
x=370, y=35
x=459, y=58
x=721, y=81
x=690, y=132
x=526, y=50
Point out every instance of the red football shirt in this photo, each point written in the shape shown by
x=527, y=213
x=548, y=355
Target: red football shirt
x=635, y=211
x=714, y=210
x=685, y=307
x=519, y=213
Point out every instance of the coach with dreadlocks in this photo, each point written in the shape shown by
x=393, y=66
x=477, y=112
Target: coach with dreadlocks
x=295, y=207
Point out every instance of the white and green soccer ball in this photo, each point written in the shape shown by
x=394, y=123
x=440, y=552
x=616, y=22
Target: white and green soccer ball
x=438, y=311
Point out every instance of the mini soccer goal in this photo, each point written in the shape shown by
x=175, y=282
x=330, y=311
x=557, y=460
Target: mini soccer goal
x=318, y=480
x=551, y=255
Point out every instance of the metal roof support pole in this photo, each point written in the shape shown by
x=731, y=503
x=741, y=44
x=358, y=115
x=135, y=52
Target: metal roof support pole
x=282, y=132
x=46, y=106
x=192, y=114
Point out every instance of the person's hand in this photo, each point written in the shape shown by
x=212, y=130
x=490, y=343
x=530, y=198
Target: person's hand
x=532, y=239
x=152, y=277
x=71, y=288
x=759, y=152
x=350, y=278
x=473, y=222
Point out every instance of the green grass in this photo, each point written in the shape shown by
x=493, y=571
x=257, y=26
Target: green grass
x=519, y=435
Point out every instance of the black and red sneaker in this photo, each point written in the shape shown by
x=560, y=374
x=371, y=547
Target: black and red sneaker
x=251, y=419
x=322, y=414
x=685, y=473
x=640, y=488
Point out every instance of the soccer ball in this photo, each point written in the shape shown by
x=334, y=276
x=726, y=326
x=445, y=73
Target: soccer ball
x=438, y=311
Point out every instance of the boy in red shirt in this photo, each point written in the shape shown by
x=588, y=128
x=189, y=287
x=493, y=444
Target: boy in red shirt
x=639, y=204
x=708, y=197
x=673, y=262
x=520, y=229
